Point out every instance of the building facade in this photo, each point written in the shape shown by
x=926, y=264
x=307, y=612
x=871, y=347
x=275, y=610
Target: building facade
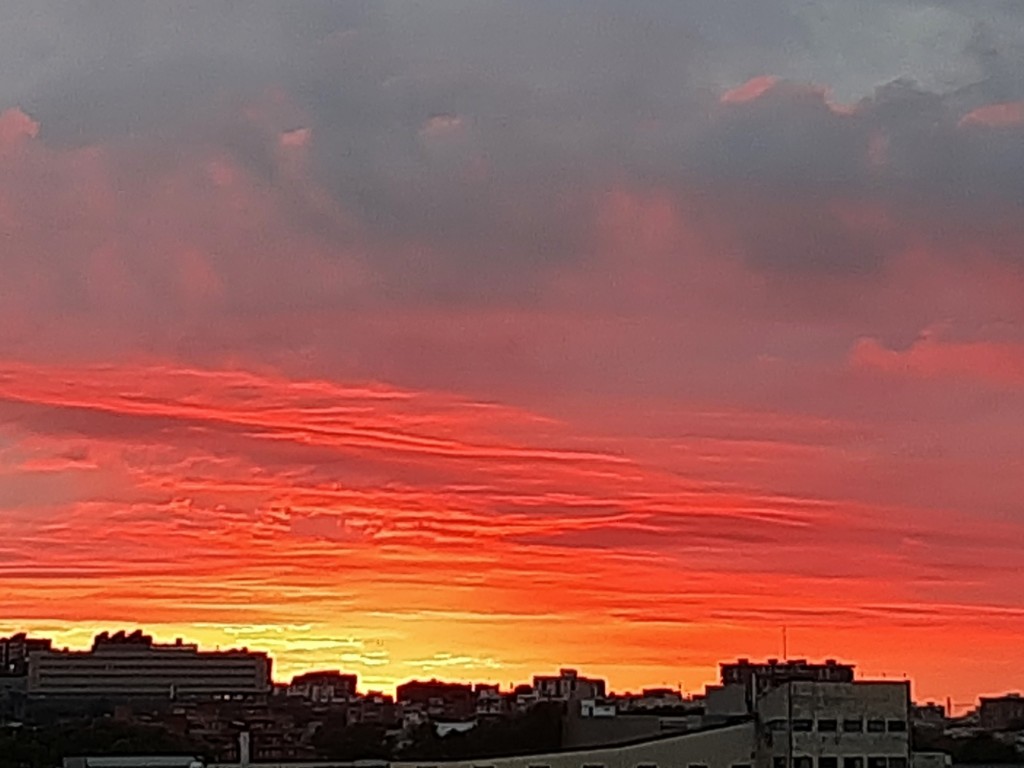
x=15, y=650
x=1002, y=713
x=568, y=685
x=323, y=687
x=436, y=699
x=819, y=724
x=756, y=678
x=133, y=666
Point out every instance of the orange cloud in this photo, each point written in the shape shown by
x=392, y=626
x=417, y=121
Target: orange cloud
x=354, y=524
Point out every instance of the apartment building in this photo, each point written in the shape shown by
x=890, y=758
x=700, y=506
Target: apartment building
x=133, y=666
x=568, y=685
x=323, y=687
x=821, y=724
x=1002, y=713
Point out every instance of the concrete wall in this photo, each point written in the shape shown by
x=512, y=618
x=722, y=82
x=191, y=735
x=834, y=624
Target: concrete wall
x=726, y=700
x=580, y=732
x=717, y=748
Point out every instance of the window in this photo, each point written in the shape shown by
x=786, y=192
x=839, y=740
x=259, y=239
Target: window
x=646, y=765
x=853, y=762
x=803, y=726
x=741, y=765
x=776, y=725
x=778, y=762
x=876, y=726
x=803, y=761
x=897, y=762
x=853, y=725
x=877, y=762
x=828, y=726
x=897, y=726
x=593, y=765
x=828, y=762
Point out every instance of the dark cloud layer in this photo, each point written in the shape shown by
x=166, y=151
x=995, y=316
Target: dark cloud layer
x=470, y=141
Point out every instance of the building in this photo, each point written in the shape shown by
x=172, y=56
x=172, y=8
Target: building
x=124, y=666
x=523, y=697
x=654, y=698
x=597, y=708
x=323, y=687
x=824, y=724
x=760, y=677
x=14, y=652
x=489, y=701
x=567, y=685
x=928, y=715
x=1002, y=713
x=375, y=707
x=436, y=699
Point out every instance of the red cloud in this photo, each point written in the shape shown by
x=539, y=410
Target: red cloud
x=995, y=363
x=750, y=90
x=1005, y=115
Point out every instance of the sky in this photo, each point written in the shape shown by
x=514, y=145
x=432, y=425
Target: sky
x=473, y=339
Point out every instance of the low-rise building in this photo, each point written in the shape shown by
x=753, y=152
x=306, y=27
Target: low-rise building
x=928, y=715
x=568, y=685
x=1002, y=713
x=375, y=707
x=489, y=701
x=597, y=708
x=323, y=687
x=452, y=701
x=653, y=698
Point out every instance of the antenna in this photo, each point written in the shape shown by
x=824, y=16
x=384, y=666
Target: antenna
x=785, y=651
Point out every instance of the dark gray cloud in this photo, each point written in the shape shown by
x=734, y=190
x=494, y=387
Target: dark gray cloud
x=471, y=142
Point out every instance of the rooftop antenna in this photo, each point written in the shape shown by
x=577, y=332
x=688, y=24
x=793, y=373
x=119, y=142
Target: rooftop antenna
x=785, y=650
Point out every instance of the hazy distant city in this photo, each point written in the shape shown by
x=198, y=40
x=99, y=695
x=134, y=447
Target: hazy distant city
x=129, y=693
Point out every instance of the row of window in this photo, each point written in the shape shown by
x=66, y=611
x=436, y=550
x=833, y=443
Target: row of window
x=831, y=761
x=849, y=725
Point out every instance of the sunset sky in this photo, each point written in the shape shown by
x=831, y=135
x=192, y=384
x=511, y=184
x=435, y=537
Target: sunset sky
x=472, y=339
